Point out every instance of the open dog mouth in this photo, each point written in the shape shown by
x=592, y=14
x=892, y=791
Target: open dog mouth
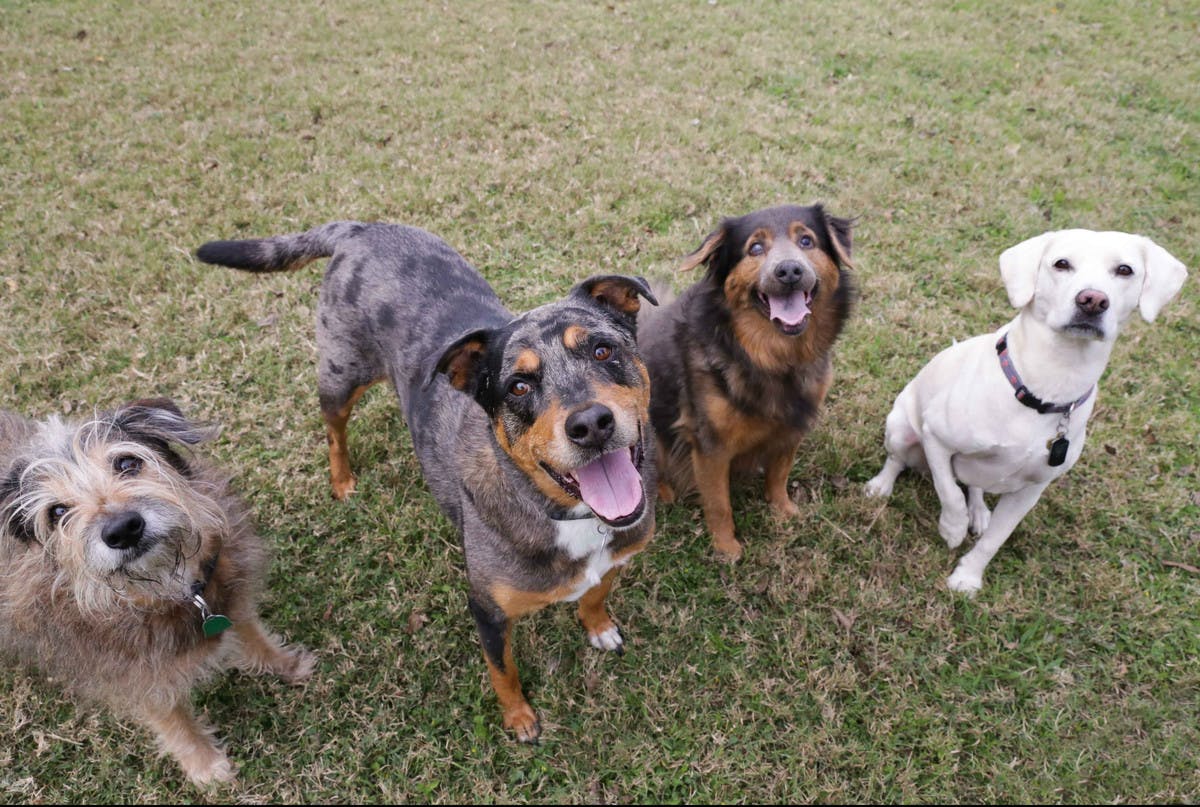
x=611, y=485
x=789, y=313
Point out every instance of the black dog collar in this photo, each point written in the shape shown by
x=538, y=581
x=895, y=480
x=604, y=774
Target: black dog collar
x=1022, y=392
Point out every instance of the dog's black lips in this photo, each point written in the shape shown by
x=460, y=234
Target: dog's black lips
x=1088, y=329
x=571, y=487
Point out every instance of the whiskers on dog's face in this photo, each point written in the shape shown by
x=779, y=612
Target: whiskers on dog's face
x=110, y=506
x=568, y=396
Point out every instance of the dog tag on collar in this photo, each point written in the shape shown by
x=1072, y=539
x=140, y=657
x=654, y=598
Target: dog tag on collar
x=1058, y=450
x=215, y=625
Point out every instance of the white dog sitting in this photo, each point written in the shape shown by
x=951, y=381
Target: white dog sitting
x=1006, y=412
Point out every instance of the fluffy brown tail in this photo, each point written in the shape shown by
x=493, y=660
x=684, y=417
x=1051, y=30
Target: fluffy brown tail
x=280, y=253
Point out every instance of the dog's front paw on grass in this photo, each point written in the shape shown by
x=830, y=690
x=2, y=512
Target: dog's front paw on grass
x=300, y=665
x=208, y=769
x=953, y=528
x=523, y=722
x=965, y=581
x=784, y=510
x=607, y=637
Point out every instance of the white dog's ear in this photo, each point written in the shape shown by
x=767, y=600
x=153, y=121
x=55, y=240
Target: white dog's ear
x=1019, y=268
x=1164, y=277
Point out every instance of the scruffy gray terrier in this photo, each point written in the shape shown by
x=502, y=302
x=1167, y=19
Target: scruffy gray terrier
x=129, y=571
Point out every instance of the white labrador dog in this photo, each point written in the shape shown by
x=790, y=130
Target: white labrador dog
x=1012, y=422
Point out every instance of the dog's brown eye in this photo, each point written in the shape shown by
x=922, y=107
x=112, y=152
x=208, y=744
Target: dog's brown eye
x=1124, y=270
x=519, y=389
x=1062, y=263
x=56, y=512
x=755, y=249
x=602, y=353
x=127, y=466
x=806, y=241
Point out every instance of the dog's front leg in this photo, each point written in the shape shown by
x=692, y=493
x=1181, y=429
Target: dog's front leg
x=261, y=652
x=953, y=522
x=779, y=463
x=712, y=480
x=602, y=632
x=192, y=745
x=494, y=633
x=1010, y=509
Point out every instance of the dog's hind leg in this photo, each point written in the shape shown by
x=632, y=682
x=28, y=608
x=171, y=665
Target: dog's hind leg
x=336, y=407
x=192, y=745
x=263, y=653
x=602, y=632
x=903, y=445
x=495, y=630
x=1010, y=509
x=978, y=514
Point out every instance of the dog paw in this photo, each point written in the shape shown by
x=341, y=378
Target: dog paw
x=344, y=488
x=965, y=581
x=953, y=528
x=302, y=662
x=878, y=487
x=728, y=551
x=523, y=722
x=609, y=639
x=978, y=519
x=784, y=510
x=209, y=770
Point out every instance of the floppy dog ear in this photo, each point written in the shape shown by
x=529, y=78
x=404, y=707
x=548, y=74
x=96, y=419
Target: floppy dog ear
x=464, y=364
x=839, y=233
x=1164, y=278
x=1019, y=267
x=705, y=252
x=159, y=424
x=12, y=520
x=617, y=295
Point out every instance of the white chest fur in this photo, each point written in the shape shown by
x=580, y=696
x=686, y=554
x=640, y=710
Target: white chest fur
x=587, y=538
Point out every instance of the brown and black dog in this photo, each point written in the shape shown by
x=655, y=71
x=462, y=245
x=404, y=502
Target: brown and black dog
x=532, y=430
x=741, y=362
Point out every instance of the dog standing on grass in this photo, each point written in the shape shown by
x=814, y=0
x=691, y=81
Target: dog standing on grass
x=123, y=560
x=741, y=362
x=1006, y=412
x=532, y=431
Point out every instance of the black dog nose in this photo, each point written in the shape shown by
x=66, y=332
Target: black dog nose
x=789, y=272
x=123, y=530
x=591, y=426
x=1091, y=301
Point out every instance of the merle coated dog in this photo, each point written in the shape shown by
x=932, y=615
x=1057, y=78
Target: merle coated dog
x=533, y=431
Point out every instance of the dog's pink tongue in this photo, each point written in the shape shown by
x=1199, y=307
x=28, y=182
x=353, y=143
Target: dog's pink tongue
x=611, y=486
x=790, y=310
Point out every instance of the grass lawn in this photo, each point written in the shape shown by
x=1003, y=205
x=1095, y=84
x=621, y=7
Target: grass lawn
x=548, y=141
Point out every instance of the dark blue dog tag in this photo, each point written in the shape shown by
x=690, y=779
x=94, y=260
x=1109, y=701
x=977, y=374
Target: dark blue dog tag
x=1058, y=450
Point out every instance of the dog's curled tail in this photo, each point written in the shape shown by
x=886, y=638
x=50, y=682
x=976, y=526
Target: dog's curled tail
x=280, y=253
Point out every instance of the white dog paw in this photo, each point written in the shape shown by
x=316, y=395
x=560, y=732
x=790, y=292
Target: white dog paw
x=879, y=486
x=953, y=528
x=965, y=581
x=978, y=519
x=211, y=770
x=608, y=639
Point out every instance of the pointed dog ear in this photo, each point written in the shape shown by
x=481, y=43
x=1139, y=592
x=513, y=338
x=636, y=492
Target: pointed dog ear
x=617, y=295
x=1019, y=268
x=464, y=363
x=159, y=424
x=705, y=252
x=1164, y=278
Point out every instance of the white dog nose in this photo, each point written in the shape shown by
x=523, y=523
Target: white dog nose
x=1091, y=301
